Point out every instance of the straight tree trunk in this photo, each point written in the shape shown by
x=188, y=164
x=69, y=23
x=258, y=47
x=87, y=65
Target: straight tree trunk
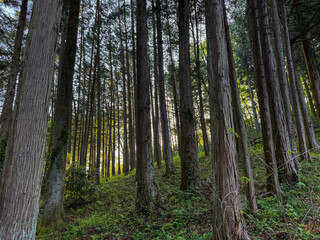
x=314, y=75
x=253, y=103
x=306, y=86
x=263, y=98
x=199, y=80
x=23, y=168
x=53, y=204
x=126, y=164
x=304, y=154
x=284, y=85
x=277, y=112
x=7, y=110
x=241, y=140
x=156, y=117
x=119, y=140
x=166, y=143
x=189, y=153
x=227, y=220
x=146, y=185
x=173, y=82
x=97, y=163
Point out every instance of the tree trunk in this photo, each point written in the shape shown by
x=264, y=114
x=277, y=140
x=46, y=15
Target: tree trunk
x=155, y=109
x=227, y=220
x=97, y=164
x=253, y=103
x=166, y=143
x=53, y=204
x=284, y=85
x=189, y=153
x=263, y=98
x=277, y=112
x=199, y=80
x=146, y=185
x=7, y=110
x=304, y=154
x=314, y=75
x=306, y=86
x=173, y=82
x=241, y=140
x=23, y=169
x=126, y=164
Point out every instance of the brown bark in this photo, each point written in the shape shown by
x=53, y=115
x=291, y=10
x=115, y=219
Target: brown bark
x=241, y=140
x=263, y=98
x=227, y=219
x=23, y=169
x=189, y=153
x=146, y=185
x=280, y=130
x=304, y=154
x=166, y=143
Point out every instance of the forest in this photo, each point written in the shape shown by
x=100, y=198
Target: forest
x=159, y=119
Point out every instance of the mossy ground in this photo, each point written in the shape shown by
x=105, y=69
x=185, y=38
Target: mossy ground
x=110, y=212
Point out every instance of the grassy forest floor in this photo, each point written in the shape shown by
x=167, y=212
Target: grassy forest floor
x=109, y=213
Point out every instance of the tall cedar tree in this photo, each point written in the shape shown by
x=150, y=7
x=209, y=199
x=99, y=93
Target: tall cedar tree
x=23, y=169
x=146, y=185
x=53, y=207
x=166, y=143
x=280, y=130
x=190, y=177
x=263, y=98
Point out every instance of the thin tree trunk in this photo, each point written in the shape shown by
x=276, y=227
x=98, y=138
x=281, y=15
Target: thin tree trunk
x=7, y=109
x=306, y=86
x=199, y=80
x=253, y=103
x=23, y=168
x=126, y=164
x=166, y=143
x=189, y=153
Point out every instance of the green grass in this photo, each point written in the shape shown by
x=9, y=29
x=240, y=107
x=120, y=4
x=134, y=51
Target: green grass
x=110, y=213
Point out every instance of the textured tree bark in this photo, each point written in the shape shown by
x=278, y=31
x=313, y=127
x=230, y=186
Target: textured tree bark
x=146, y=185
x=304, y=154
x=314, y=75
x=227, y=219
x=132, y=151
x=53, y=204
x=7, y=110
x=97, y=163
x=263, y=98
x=241, y=140
x=189, y=153
x=280, y=131
x=155, y=109
x=126, y=163
x=284, y=85
x=166, y=143
x=199, y=80
x=23, y=169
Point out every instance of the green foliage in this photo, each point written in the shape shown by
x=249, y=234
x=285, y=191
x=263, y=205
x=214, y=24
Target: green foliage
x=80, y=185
